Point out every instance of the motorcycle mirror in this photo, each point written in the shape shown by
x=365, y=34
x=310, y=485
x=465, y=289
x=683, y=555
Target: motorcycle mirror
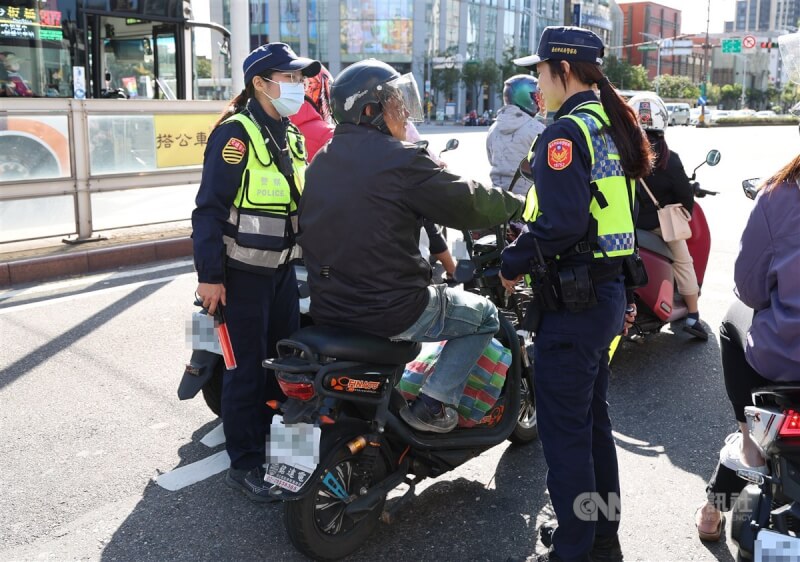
x=750, y=187
x=713, y=157
x=525, y=169
x=452, y=144
x=465, y=271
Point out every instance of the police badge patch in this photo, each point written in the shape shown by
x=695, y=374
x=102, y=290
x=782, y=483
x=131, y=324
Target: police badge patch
x=559, y=154
x=233, y=151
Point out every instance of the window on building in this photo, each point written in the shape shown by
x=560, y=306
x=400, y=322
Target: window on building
x=372, y=27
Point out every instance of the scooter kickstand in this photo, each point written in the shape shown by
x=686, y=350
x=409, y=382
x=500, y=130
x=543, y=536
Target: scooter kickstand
x=389, y=515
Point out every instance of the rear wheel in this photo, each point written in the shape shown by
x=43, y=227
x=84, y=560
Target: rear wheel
x=526, y=429
x=318, y=525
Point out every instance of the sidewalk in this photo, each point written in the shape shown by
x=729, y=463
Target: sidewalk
x=35, y=261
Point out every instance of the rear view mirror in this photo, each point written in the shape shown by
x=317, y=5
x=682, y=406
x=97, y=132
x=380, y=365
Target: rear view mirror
x=751, y=187
x=713, y=157
x=452, y=144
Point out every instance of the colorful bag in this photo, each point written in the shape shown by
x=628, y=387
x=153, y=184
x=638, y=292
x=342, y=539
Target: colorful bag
x=484, y=384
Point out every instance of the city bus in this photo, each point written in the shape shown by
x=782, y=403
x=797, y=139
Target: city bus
x=102, y=114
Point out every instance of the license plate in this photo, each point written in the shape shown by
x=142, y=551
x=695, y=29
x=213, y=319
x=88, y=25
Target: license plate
x=775, y=546
x=293, y=454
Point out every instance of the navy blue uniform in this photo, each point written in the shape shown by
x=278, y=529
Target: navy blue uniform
x=571, y=348
x=261, y=309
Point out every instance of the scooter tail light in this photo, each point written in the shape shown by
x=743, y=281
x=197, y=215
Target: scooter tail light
x=299, y=388
x=791, y=425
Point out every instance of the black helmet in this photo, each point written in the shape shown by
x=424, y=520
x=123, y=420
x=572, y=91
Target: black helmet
x=356, y=87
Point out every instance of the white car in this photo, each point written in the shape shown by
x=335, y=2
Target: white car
x=766, y=113
x=717, y=114
x=679, y=113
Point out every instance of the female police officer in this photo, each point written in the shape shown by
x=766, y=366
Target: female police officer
x=579, y=215
x=243, y=233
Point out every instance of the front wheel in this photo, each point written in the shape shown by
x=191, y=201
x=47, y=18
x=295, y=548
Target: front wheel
x=526, y=429
x=317, y=523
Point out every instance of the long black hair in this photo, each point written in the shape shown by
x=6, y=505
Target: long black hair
x=660, y=149
x=634, y=148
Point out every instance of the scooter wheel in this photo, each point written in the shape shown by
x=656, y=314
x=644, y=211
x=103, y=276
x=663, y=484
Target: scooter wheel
x=527, y=429
x=317, y=523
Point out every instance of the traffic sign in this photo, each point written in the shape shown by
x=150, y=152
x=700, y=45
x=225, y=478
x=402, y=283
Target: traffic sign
x=748, y=42
x=701, y=100
x=732, y=45
x=647, y=47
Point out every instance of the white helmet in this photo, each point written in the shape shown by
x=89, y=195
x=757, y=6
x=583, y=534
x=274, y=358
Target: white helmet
x=650, y=111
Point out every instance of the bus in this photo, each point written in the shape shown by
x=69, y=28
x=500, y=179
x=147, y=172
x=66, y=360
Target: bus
x=101, y=100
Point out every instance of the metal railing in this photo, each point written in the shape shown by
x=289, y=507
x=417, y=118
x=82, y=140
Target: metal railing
x=67, y=149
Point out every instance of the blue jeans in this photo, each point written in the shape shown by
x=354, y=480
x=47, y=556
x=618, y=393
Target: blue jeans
x=468, y=322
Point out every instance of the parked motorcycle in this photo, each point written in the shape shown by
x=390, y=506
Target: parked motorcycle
x=343, y=382
x=658, y=302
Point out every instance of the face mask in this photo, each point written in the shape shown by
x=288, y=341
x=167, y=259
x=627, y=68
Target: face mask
x=290, y=99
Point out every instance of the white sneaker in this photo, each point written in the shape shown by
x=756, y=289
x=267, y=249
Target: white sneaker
x=731, y=455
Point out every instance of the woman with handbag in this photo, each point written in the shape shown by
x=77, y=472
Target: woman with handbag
x=667, y=195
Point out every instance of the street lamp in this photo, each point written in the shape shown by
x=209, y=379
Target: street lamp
x=657, y=39
x=744, y=75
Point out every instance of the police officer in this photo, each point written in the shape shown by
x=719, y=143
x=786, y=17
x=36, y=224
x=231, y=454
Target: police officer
x=243, y=234
x=579, y=214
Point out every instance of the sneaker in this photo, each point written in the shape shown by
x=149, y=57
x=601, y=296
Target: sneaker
x=251, y=483
x=606, y=549
x=697, y=330
x=546, y=533
x=730, y=455
x=419, y=416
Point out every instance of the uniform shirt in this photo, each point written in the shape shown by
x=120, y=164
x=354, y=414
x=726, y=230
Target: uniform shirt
x=562, y=189
x=220, y=181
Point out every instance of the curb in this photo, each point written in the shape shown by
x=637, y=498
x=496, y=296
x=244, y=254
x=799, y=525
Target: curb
x=46, y=268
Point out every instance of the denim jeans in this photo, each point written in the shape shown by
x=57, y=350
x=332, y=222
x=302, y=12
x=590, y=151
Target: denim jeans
x=468, y=322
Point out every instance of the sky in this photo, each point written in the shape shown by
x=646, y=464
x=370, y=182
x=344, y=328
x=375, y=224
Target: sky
x=693, y=13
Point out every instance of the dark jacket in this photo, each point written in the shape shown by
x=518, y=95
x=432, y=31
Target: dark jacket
x=365, y=196
x=668, y=186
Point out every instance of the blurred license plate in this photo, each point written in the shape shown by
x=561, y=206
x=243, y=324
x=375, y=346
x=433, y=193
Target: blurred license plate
x=775, y=546
x=293, y=454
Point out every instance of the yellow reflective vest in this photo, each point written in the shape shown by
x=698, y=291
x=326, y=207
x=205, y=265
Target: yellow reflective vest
x=264, y=212
x=611, y=230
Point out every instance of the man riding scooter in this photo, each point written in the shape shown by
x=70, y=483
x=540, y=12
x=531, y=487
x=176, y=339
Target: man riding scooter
x=365, y=198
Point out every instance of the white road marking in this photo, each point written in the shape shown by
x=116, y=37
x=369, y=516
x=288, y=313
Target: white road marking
x=195, y=472
x=76, y=296
x=91, y=279
x=214, y=437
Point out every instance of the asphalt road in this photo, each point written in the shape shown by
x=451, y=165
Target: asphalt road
x=89, y=418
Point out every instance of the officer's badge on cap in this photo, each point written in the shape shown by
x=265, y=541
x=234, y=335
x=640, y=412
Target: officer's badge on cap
x=566, y=43
x=277, y=56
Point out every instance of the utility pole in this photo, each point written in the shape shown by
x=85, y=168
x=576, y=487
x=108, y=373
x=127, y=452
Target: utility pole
x=704, y=84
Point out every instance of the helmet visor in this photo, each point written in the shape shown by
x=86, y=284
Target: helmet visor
x=789, y=45
x=401, y=99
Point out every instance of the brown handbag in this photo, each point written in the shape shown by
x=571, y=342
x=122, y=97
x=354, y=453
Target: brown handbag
x=673, y=219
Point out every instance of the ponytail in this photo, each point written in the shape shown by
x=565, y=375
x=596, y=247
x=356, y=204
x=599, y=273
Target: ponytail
x=237, y=104
x=635, y=152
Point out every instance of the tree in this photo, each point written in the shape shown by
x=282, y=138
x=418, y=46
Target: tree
x=444, y=80
x=507, y=67
x=491, y=74
x=730, y=94
x=471, y=76
x=676, y=87
x=203, y=67
x=625, y=76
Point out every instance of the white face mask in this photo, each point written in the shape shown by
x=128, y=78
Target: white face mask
x=290, y=99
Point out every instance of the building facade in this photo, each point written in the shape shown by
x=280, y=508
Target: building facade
x=644, y=24
x=765, y=15
x=411, y=35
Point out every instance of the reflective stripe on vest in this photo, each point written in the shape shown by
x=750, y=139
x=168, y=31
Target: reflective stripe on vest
x=264, y=213
x=615, y=229
x=531, y=211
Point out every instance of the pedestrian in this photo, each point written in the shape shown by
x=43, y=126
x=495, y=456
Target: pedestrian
x=513, y=132
x=243, y=238
x=314, y=118
x=668, y=184
x=580, y=220
x=366, y=196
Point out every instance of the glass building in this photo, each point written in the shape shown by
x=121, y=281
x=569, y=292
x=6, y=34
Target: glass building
x=419, y=36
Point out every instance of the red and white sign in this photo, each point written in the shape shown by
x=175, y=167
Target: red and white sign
x=748, y=42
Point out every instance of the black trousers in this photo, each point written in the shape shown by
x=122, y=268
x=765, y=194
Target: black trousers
x=740, y=381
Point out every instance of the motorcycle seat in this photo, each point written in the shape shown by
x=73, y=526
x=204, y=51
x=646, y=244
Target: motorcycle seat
x=653, y=242
x=354, y=345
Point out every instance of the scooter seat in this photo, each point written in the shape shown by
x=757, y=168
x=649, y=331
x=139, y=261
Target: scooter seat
x=354, y=345
x=654, y=243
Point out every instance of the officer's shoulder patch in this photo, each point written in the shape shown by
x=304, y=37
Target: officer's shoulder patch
x=233, y=151
x=559, y=153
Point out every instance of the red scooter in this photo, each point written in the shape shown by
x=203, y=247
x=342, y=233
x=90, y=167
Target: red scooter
x=658, y=302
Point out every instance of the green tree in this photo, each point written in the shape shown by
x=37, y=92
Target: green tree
x=203, y=67
x=471, y=75
x=730, y=94
x=676, y=87
x=507, y=67
x=444, y=80
x=491, y=74
x=625, y=76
